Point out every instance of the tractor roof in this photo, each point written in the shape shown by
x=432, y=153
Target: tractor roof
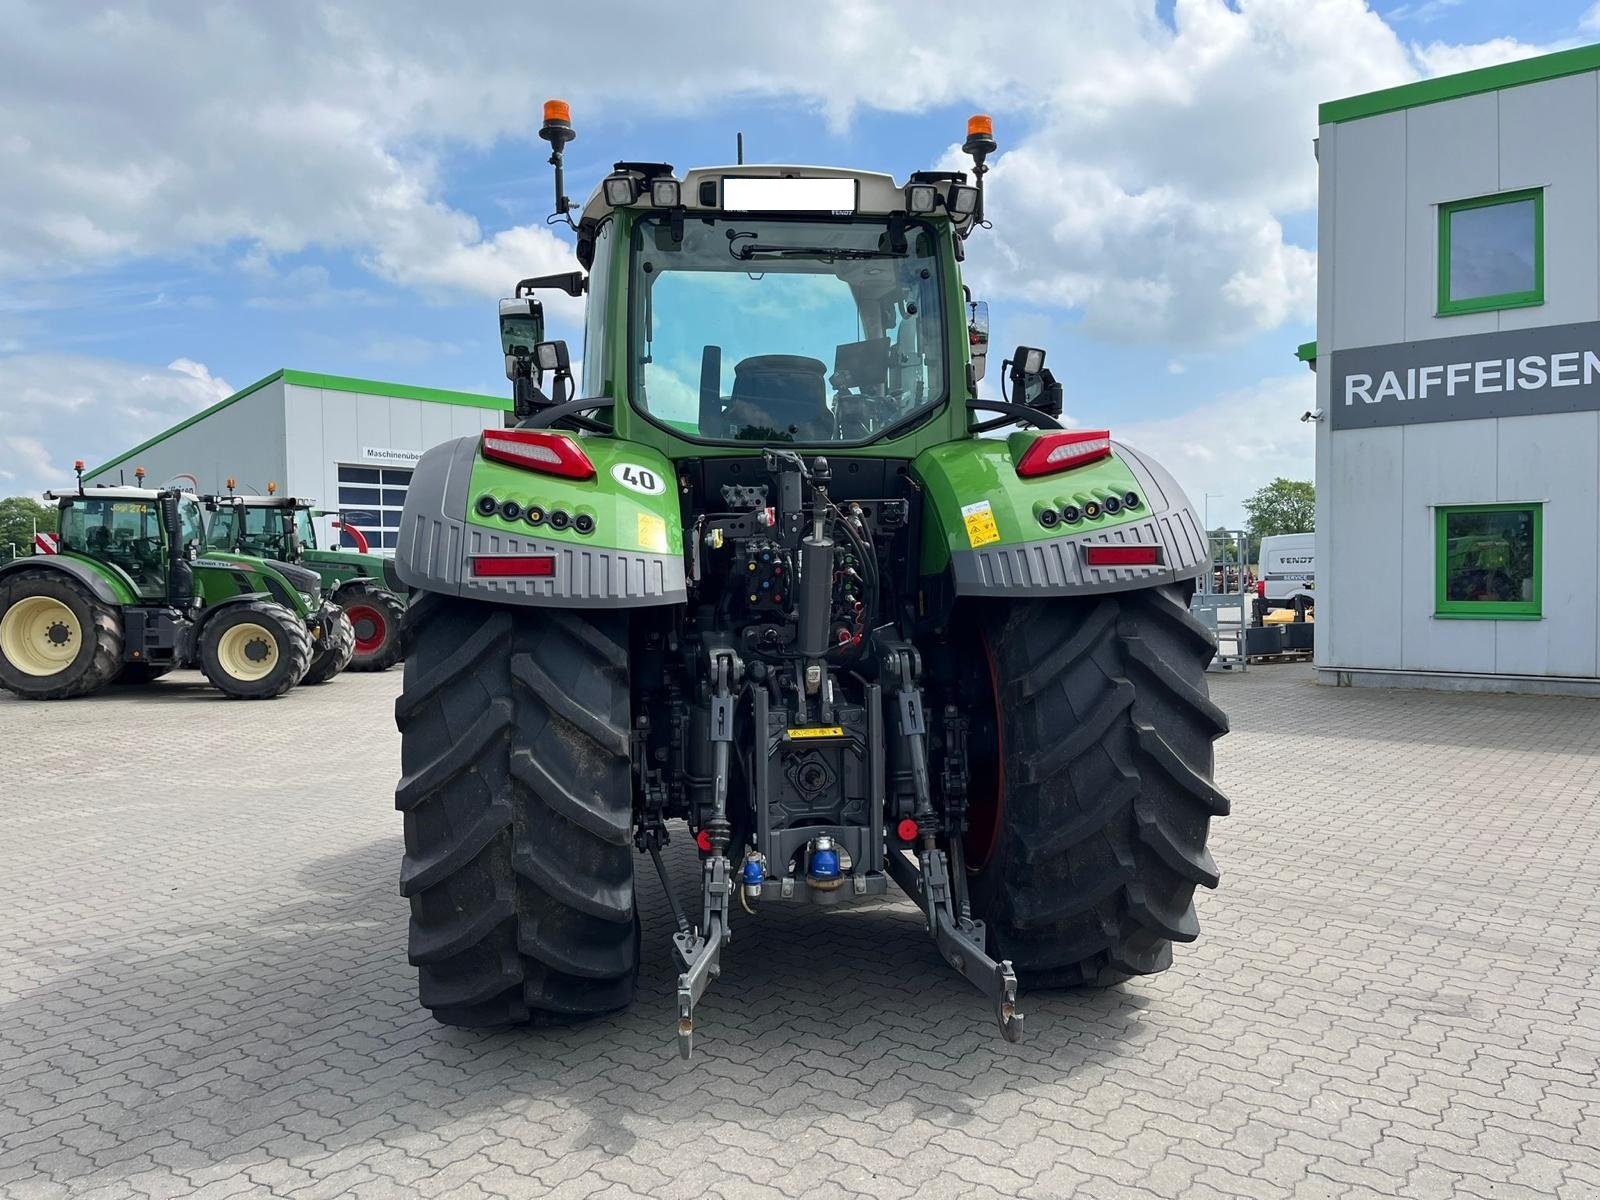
x=877, y=194
x=93, y=491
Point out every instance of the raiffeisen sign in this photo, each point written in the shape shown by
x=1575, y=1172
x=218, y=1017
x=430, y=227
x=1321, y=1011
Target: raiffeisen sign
x=1518, y=373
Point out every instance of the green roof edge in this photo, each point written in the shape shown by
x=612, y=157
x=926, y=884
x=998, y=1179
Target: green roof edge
x=1306, y=351
x=1467, y=83
x=336, y=383
x=401, y=391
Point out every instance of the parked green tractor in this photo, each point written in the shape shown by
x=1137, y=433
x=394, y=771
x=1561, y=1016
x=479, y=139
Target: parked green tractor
x=364, y=586
x=781, y=574
x=130, y=596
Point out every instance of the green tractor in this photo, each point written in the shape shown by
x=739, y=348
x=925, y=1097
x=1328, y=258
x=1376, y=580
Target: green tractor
x=364, y=586
x=770, y=576
x=129, y=597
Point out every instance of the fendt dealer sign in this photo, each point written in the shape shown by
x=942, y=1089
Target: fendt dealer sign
x=1518, y=373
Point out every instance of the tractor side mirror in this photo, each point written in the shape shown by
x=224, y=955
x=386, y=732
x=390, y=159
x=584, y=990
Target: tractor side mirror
x=978, y=335
x=521, y=329
x=1031, y=383
x=555, y=358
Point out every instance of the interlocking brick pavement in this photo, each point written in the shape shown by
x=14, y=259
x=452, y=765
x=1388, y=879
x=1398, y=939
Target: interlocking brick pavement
x=203, y=986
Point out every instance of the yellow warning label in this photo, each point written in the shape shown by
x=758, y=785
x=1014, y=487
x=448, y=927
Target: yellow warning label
x=818, y=731
x=981, y=529
x=652, y=532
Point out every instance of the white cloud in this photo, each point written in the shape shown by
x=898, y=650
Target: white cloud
x=1232, y=445
x=1442, y=58
x=108, y=406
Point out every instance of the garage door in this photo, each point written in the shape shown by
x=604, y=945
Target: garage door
x=370, y=498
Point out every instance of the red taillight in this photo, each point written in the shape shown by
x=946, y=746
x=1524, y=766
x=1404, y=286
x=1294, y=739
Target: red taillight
x=1122, y=556
x=538, y=450
x=1052, y=452
x=513, y=566
x=1261, y=588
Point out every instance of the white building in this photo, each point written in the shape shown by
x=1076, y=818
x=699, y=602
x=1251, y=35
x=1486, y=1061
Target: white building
x=349, y=444
x=1458, y=381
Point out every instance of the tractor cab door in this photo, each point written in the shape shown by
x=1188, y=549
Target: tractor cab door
x=127, y=533
x=186, y=534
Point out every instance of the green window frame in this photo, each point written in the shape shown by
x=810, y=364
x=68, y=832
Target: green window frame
x=1450, y=308
x=1486, y=610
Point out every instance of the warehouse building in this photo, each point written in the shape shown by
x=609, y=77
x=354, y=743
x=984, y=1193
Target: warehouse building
x=1458, y=381
x=349, y=444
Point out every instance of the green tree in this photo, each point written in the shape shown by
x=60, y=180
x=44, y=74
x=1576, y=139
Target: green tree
x=17, y=517
x=1283, y=506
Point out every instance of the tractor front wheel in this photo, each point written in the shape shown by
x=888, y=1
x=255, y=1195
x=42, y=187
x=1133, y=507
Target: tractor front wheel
x=376, y=616
x=1091, y=787
x=57, y=639
x=518, y=803
x=254, y=650
x=338, y=644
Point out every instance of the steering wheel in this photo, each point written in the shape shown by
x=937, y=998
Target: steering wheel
x=1013, y=413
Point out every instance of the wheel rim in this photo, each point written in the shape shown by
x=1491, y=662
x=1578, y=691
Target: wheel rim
x=247, y=651
x=986, y=774
x=371, y=629
x=40, y=636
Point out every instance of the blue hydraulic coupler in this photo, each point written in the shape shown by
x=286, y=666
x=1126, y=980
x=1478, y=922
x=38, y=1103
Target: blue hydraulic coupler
x=824, y=865
x=755, y=873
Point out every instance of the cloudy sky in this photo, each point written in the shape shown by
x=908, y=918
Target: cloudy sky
x=193, y=195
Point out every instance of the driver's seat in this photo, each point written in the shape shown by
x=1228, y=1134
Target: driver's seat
x=784, y=392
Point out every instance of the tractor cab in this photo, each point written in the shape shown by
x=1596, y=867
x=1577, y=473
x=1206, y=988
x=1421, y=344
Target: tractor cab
x=148, y=536
x=277, y=527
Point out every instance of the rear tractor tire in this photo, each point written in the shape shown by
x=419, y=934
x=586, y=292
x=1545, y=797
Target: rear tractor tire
x=254, y=650
x=1092, y=789
x=518, y=803
x=338, y=646
x=57, y=639
x=376, y=616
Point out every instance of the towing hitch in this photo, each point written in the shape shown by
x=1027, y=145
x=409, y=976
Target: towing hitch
x=959, y=938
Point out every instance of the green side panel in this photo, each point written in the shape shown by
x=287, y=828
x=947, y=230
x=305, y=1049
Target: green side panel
x=220, y=575
x=974, y=497
x=116, y=578
x=627, y=516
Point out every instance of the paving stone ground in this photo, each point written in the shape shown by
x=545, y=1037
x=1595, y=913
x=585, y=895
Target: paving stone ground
x=204, y=992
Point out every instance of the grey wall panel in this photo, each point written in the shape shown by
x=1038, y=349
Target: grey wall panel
x=1444, y=463
x=372, y=422
x=1452, y=153
x=1327, y=611
x=1368, y=283
x=1327, y=152
x=305, y=443
x=437, y=423
x=1361, y=589
x=405, y=423
x=1550, y=138
x=1556, y=459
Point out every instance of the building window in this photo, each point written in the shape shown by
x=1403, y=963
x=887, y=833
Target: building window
x=370, y=498
x=1489, y=561
x=1491, y=252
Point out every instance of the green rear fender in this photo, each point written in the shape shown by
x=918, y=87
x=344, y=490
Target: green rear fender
x=106, y=581
x=631, y=556
x=988, y=531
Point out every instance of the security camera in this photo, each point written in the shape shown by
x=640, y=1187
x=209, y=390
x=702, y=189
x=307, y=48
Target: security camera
x=1311, y=414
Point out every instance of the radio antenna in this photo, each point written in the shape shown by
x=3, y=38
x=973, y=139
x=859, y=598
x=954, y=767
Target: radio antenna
x=740, y=140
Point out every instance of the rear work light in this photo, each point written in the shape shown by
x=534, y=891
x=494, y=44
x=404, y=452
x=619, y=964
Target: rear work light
x=1052, y=452
x=513, y=566
x=1122, y=556
x=538, y=450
